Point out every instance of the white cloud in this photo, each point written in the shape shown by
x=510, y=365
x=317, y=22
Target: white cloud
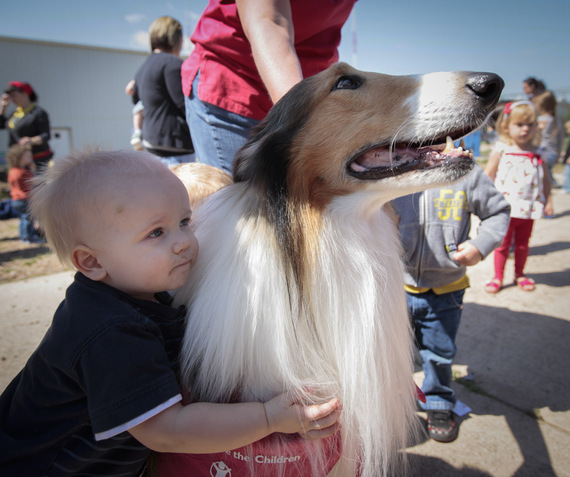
x=135, y=17
x=187, y=47
x=193, y=16
x=140, y=39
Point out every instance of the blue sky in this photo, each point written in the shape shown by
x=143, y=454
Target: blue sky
x=515, y=39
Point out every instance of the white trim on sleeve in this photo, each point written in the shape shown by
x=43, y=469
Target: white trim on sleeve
x=138, y=420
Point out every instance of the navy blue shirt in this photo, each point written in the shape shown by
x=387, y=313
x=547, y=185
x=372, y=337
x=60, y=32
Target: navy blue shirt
x=105, y=360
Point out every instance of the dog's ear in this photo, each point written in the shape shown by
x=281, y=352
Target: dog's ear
x=86, y=262
x=264, y=159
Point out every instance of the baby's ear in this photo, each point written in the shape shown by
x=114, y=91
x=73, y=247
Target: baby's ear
x=86, y=262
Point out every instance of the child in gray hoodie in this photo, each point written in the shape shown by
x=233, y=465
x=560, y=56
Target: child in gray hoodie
x=434, y=229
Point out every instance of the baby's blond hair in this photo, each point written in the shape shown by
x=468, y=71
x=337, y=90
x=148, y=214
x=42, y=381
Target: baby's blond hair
x=77, y=182
x=14, y=154
x=201, y=180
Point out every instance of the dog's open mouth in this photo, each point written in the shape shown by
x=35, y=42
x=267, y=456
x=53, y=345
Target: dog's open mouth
x=377, y=163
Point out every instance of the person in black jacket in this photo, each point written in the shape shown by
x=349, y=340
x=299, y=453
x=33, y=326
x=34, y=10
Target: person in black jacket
x=28, y=125
x=158, y=86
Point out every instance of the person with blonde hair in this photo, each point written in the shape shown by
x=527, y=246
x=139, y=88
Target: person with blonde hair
x=158, y=87
x=552, y=132
x=519, y=172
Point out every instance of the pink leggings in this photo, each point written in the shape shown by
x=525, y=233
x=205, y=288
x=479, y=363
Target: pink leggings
x=522, y=230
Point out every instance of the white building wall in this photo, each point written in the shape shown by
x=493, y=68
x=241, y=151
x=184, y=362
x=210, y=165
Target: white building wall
x=82, y=88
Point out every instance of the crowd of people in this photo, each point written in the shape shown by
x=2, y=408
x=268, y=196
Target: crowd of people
x=203, y=109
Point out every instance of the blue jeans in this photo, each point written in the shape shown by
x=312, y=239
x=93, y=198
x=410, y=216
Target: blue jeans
x=26, y=229
x=566, y=174
x=435, y=319
x=175, y=160
x=217, y=134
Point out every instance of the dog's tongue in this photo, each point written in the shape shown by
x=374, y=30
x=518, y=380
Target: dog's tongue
x=384, y=157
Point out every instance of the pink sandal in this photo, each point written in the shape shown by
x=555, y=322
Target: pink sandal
x=494, y=286
x=525, y=283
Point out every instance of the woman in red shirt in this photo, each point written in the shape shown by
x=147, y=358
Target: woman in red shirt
x=249, y=53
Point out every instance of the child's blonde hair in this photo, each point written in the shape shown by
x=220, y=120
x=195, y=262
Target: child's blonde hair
x=14, y=153
x=201, y=180
x=518, y=112
x=60, y=195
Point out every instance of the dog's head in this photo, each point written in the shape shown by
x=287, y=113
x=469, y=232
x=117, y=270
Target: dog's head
x=345, y=130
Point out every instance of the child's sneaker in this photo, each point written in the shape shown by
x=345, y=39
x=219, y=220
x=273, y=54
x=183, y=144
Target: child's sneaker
x=136, y=138
x=441, y=425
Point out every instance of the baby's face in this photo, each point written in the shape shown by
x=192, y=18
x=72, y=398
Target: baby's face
x=142, y=237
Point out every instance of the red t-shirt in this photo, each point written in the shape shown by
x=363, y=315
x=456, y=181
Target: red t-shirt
x=19, y=182
x=222, y=53
x=267, y=458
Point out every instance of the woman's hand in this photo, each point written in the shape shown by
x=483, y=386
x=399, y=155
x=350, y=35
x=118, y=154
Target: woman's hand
x=4, y=102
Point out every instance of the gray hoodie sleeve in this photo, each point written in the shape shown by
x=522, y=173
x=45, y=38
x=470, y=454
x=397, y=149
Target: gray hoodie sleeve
x=488, y=204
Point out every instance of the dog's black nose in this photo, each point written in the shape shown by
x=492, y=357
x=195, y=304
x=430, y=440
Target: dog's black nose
x=487, y=86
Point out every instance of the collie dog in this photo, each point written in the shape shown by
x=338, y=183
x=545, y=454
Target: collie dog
x=298, y=284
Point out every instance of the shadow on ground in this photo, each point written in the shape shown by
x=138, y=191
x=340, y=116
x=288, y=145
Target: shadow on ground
x=515, y=359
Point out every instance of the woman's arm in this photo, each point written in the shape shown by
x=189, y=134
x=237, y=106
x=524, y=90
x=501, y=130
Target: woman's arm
x=204, y=428
x=39, y=125
x=268, y=26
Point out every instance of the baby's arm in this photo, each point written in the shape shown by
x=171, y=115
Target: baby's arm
x=493, y=164
x=205, y=428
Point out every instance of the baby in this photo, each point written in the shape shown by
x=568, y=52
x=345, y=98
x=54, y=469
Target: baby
x=101, y=389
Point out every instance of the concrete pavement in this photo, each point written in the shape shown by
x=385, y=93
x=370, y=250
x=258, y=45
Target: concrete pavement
x=513, y=352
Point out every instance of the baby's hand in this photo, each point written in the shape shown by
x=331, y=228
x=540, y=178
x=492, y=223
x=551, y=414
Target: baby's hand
x=467, y=254
x=312, y=422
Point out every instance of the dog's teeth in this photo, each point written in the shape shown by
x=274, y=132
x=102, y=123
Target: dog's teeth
x=357, y=167
x=448, y=145
x=462, y=144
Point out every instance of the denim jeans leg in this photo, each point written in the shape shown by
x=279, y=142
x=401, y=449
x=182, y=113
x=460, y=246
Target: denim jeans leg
x=20, y=208
x=436, y=321
x=566, y=173
x=217, y=134
x=175, y=160
x=26, y=229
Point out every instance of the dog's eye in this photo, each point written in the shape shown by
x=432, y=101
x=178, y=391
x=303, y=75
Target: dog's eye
x=348, y=82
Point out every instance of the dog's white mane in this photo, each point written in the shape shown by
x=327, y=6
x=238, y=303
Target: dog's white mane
x=355, y=345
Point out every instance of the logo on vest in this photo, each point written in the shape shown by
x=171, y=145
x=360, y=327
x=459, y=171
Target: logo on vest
x=220, y=469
